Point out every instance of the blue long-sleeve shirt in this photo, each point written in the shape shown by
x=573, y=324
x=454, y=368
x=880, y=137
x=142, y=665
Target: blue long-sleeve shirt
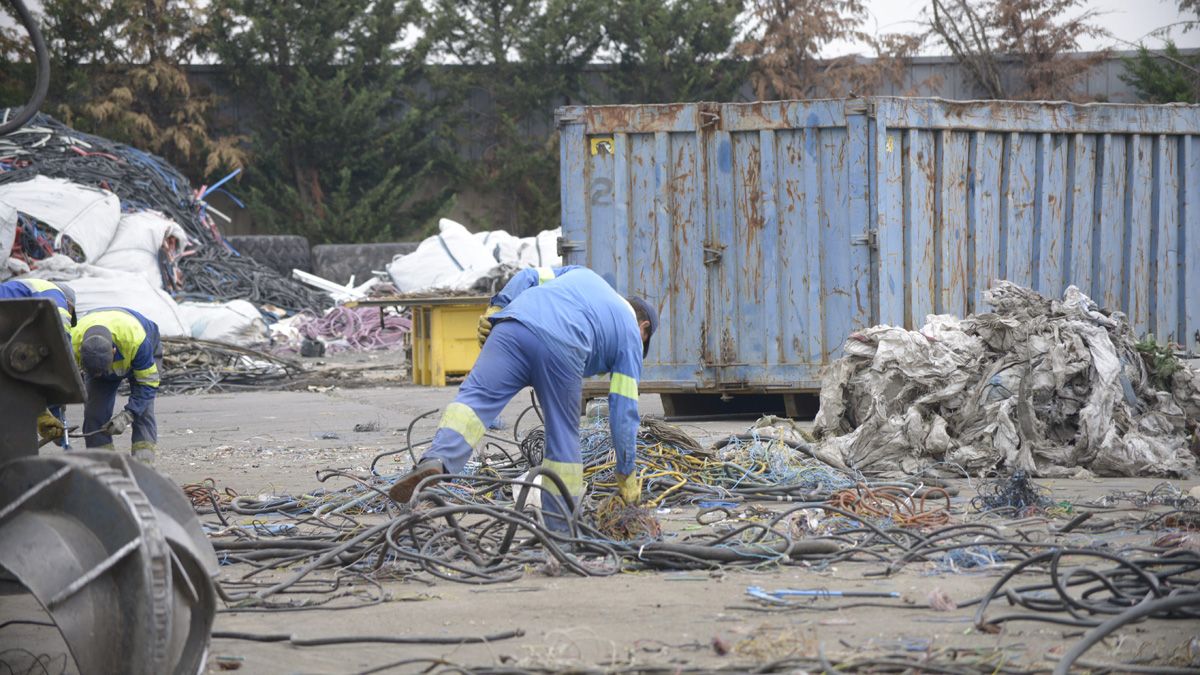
x=579, y=316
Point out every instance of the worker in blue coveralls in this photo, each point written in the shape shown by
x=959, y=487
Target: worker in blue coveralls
x=51, y=423
x=111, y=345
x=549, y=328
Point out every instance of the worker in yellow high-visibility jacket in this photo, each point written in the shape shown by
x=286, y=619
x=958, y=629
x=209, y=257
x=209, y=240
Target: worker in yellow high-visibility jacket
x=112, y=345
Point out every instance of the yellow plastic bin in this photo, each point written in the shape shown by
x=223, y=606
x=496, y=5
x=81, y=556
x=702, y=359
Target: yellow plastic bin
x=443, y=339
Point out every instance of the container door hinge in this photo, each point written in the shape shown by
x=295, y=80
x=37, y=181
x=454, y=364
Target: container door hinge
x=710, y=116
x=869, y=239
x=565, y=246
x=859, y=106
x=712, y=254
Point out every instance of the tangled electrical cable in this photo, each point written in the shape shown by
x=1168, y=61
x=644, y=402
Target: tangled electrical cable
x=749, y=468
x=194, y=365
x=1015, y=494
x=210, y=270
x=359, y=329
x=213, y=273
x=331, y=549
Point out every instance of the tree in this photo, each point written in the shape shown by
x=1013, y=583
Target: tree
x=1039, y=36
x=518, y=61
x=1166, y=77
x=119, y=70
x=673, y=50
x=344, y=147
x=788, y=36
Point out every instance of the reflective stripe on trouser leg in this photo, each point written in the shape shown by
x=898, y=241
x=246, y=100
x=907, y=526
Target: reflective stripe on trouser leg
x=101, y=398
x=501, y=371
x=545, y=274
x=462, y=419
x=555, y=509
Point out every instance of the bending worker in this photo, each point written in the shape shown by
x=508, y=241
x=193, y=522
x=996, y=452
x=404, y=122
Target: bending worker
x=112, y=345
x=51, y=423
x=549, y=329
x=61, y=294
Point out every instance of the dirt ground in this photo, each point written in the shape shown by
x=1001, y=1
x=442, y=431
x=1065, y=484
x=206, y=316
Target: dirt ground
x=274, y=442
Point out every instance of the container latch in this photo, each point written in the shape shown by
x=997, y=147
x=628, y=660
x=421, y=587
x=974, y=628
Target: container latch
x=869, y=239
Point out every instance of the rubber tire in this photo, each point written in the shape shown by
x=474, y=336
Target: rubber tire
x=337, y=262
x=280, y=252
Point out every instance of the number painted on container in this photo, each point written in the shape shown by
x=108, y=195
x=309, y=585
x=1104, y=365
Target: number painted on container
x=601, y=191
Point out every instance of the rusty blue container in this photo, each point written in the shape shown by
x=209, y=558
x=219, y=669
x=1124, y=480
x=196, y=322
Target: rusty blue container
x=767, y=233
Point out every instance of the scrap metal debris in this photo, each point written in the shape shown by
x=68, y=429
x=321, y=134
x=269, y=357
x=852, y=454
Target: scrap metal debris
x=192, y=365
x=204, y=268
x=1050, y=387
x=1016, y=493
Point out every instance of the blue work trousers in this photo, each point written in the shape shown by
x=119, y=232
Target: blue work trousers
x=513, y=358
x=101, y=401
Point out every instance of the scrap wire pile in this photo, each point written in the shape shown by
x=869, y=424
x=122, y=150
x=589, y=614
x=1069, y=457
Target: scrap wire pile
x=194, y=365
x=357, y=329
x=477, y=529
x=211, y=270
x=747, y=467
x=460, y=532
x=215, y=273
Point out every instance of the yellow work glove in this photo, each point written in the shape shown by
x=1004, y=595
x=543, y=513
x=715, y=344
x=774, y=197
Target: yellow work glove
x=49, y=427
x=485, y=326
x=629, y=488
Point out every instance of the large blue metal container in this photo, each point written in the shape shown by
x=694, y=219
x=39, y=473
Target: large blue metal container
x=767, y=233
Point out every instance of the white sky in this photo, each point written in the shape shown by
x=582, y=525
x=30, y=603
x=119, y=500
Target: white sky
x=1130, y=20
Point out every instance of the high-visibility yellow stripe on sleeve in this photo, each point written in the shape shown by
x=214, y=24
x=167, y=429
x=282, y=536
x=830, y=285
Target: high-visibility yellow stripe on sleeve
x=41, y=285
x=571, y=474
x=545, y=274
x=459, y=417
x=147, y=376
x=623, y=385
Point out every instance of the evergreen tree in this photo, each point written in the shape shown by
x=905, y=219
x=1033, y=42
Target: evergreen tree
x=1166, y=77
x=344, y=147
x=674, y=50
x=519, y=60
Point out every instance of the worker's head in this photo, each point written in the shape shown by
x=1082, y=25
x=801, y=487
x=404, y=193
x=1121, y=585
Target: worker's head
x=69, y=294
x=647, y=319
x=96, y=351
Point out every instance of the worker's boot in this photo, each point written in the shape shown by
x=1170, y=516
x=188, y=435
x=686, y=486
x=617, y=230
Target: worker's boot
x=402, y=490
x=144, y=452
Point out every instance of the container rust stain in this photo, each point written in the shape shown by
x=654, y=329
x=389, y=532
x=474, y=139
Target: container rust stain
x=953, y=184
x=640, y=119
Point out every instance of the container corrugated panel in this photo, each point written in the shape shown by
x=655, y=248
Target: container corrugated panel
x=767, y=233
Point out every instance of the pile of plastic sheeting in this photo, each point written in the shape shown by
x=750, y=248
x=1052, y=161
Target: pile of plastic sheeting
x=115, y=207
x=456, y=261
x=1050, y=387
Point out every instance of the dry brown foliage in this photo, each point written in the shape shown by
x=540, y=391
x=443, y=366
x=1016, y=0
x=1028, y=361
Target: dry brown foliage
x=786, y=40
x=1019, y=49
